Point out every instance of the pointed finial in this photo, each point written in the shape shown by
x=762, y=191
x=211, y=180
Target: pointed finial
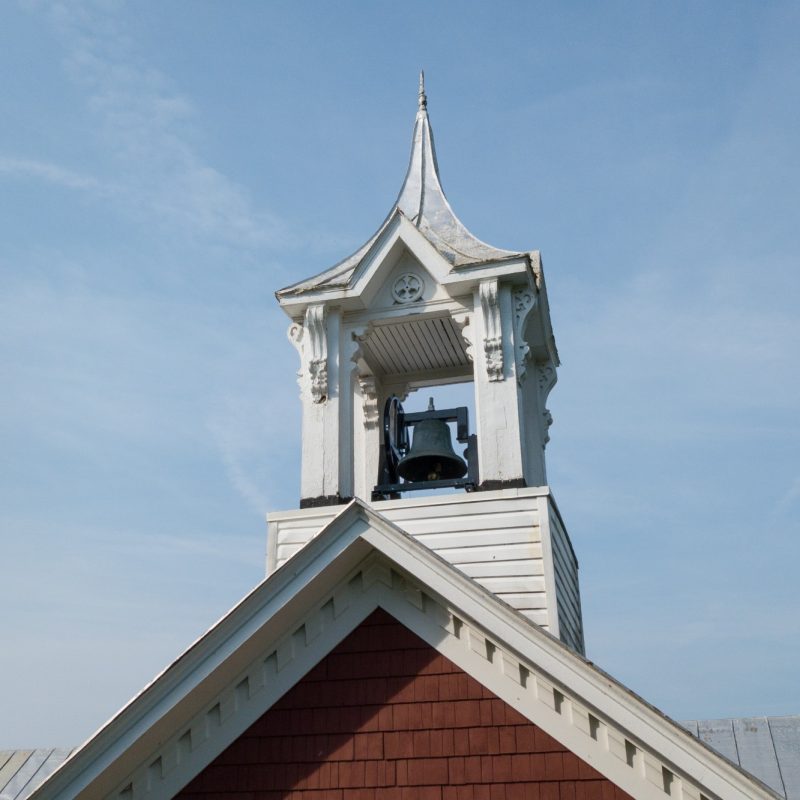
x=423, y=98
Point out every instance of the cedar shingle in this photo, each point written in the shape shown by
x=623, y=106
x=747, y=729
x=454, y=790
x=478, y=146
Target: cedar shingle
x=386, y=716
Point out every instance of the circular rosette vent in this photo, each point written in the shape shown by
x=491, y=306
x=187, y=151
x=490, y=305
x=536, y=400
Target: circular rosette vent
x=408, y=288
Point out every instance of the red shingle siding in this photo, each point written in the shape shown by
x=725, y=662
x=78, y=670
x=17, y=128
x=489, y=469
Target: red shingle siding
x=386, y=716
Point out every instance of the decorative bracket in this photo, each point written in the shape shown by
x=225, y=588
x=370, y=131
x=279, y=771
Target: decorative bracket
x=310, y=342
x=524, y=300
x=295, y=335
x=492, y=329
x=546, y=376
x=464, y=322
x=369, y=400
x=318, y=355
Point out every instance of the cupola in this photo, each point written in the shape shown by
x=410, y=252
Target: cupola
x=422, y=303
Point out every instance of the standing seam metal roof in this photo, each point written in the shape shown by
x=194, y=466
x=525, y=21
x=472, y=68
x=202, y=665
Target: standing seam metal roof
x=766, y=747
x=22, y=771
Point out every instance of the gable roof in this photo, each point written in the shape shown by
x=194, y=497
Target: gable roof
x=359, y=562
x=422, y=201
x=766, y=747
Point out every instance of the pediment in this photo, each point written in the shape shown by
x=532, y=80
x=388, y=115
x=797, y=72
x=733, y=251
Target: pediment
x=385, y=711
x=400, y=249
x=359, y=563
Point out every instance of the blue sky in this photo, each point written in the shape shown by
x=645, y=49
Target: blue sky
x=165, y=167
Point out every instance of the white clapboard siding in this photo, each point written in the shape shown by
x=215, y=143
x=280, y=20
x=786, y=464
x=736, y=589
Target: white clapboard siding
x=568, y=596
x=487, y=552
x=491, y=569
x=437, y=541
x=493, y=537
x=527, y=600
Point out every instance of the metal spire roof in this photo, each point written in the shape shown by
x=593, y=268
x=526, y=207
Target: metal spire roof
x=423, y=202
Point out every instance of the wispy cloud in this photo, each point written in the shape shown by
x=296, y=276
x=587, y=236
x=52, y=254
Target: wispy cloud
x=789, y=498
x=51, y=173
x=255, y=444
x=238, y=436
x=150, y=131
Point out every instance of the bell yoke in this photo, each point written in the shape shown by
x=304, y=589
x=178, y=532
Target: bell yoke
x=430, y=461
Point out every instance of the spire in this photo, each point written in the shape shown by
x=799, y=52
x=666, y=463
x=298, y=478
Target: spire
x=422, y=201
x=422, y=177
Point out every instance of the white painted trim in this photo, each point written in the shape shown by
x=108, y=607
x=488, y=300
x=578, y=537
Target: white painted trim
x=432, y=500
x=272, y=546
x=469, y=497
x=458, y=281
x=386, y=315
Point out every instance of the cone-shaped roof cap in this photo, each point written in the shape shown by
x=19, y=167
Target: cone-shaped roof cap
x=423, y=202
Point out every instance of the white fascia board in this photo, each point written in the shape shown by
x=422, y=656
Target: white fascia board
x=465, y=279
x=431, y=308
x=464, y=499
x=295, y=306
x=575, y=675
x=457, y=281
x=196, y=674
x=547, y=322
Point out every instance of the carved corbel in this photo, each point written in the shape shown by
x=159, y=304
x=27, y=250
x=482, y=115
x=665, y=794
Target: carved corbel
x=317, y=352
x=492, y=329
x=360, y=336
x=463, y=321
x=367, y=382
x=546, y=377
x=369, y=400
x=295, y=335
x=399, y=390
x=524, y=300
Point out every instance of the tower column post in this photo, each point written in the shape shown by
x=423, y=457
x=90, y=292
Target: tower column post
x=317, y=340
x=497, y=405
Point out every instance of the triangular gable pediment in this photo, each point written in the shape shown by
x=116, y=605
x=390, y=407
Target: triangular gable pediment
x=386, y=712
x=361, y=562
x=400, y=241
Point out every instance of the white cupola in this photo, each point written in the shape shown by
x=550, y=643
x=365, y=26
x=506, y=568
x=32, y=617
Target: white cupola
x=425, y=303
x=422, y=303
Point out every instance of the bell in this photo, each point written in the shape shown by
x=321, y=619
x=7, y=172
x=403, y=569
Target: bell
x=431, y=456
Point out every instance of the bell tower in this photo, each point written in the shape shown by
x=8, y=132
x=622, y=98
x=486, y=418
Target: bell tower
x=424, y=303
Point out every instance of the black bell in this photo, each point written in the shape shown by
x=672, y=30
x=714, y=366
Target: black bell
x=431, y=456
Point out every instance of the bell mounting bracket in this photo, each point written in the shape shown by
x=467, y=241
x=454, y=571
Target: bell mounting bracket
x=396, y=443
